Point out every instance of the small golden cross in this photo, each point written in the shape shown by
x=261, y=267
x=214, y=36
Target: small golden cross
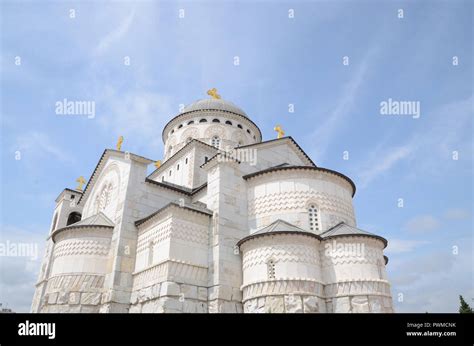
x=81, y=181
x=119, y=143
x=213, y=93
x=280, y=131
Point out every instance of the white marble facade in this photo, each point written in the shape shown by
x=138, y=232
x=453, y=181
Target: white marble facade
x=228, y=223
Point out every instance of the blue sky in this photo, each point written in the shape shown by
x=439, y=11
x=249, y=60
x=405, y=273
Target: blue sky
x=282, y=61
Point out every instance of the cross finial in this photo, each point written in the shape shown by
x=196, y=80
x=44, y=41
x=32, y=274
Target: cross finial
x=157, y=164
x=119, y=143
x=280, y=131
x=81, y=181
x=213, y=93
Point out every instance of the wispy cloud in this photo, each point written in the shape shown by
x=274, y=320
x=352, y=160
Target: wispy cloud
x=396, y=246
x=430, y=145
x=422, y=224
x=36, y=145
x=115, y=35
x=383, y=160
x=457, y=214
x=325, y=132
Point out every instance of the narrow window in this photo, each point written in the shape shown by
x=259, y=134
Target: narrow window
x=170, y=173
x=180, y=126
x=163, y=178
x=177, y=167
x=229, y=122
x=186, y=161
x=248, y=131
x=216, y=142
x=239, y=126
x=205, y=159
x=271, y=269
x=190, y=122
x=313, y=218
x=203, y=121
x=216, y=121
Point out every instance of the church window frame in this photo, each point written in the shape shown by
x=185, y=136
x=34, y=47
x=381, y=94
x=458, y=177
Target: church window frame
x=73, y=217
x=271, y=269
x=313, y=217
x=216, y=142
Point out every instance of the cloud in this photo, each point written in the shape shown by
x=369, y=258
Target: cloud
x=422, y=224
x=137, y=114
x=325, y=132
x=433, y=144
x=457, y=214
x=35, y=146
x=422, y=280
x=396, y=246
x=116, y=35
x=383, y=162
x=19, y=273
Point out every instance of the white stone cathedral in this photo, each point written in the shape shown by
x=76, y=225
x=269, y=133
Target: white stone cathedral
x=227, y=223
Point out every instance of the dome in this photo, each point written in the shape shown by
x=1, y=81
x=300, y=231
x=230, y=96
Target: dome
x=214, y=104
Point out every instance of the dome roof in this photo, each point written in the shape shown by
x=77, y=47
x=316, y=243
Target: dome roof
x=214, y=104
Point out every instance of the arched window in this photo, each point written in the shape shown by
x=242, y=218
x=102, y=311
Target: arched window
x=203, y=121
x=239, y=126
x=73, y=218
x=271, y=269
x=313, y=218
x=172, y=131
x=216, y=142
x=186, y=161
x=229, y=122
x=103, y=198
x=177, y=167
x=216, y=121
x=180, y=126
x=169, y=173
x=190, y=122
x=248, y=131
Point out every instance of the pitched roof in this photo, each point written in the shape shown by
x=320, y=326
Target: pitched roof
x=178, y=188
x=97, y=220
x=192, y=207
x=343, y=229
x=100, y=166
x=176, y=155
x=278, y=227
x=287, y=138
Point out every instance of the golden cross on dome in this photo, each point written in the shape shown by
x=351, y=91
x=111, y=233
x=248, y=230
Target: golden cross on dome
x=81, y=181
x=280, y=131
x=119, y=143
x=157, y=164
x=213, y=93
